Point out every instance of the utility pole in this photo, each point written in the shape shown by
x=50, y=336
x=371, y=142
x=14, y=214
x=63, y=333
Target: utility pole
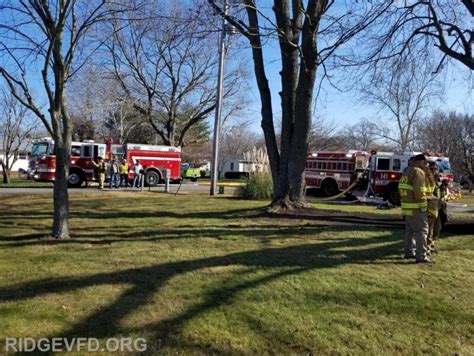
x=219, y=98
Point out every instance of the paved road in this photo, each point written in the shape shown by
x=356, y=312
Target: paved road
x=460, y=208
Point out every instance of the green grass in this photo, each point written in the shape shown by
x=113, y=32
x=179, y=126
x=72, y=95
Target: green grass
x=221, y=277
x=467, y=198
x=17, y=182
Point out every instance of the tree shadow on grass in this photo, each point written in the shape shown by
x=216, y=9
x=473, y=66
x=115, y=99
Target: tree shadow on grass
x=146, y=282
x=263, y=233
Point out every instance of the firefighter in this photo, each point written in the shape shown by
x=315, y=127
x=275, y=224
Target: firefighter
x=434, y=197
x=123, y=168
x=101, y=169
x=114, y=174
x=443, y=207
x=412, y=189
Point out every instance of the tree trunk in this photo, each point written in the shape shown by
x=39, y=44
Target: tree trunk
x=297, y=100
x=265, y=96
x=61, y=194
x=6, y=173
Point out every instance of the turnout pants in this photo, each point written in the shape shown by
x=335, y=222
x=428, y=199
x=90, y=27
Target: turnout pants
x=101, y=180
x=416, y=232
x=434, y=227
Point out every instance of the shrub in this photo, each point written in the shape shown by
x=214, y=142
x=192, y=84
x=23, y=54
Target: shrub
x=259, y=186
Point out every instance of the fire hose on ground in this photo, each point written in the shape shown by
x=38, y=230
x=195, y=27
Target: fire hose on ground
x=337, y=196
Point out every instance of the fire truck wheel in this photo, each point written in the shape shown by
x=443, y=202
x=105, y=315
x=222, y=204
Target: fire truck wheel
x=329, y=187
x=193, y=179
x=75, y=179
x=392, y=195
x=152, y=178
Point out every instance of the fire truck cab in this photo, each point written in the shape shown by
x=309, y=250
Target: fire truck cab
x=386, y=169
x=43, y=161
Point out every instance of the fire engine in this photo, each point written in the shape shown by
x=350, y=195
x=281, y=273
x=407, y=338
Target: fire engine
x=155, y=158
x=378, y=172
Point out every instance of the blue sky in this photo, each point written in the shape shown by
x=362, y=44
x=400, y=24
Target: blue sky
x=345, y=108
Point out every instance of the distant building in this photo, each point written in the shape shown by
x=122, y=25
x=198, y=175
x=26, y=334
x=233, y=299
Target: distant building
x=22, y=159
x=20, y=164
x=236, y=167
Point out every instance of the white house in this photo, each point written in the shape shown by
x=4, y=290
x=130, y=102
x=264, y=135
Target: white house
x=23, y=156
x=235, y=167
x=20, y=164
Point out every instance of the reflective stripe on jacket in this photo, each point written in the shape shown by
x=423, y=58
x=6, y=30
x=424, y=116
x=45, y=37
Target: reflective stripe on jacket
x=412, y=188
x=432, y=194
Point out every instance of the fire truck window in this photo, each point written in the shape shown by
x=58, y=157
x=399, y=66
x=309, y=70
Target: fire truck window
x=443, y=166
x=39, y=149
x=87, y=151
x=117, y=150
x=396, y=165
x=75, y=150
x=383, y=164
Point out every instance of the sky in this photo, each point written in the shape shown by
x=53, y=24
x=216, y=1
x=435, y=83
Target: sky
x=345, y=107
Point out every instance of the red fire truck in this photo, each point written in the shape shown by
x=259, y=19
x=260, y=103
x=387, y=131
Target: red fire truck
x=157, y=159
x=334, y=171
x=379, y=171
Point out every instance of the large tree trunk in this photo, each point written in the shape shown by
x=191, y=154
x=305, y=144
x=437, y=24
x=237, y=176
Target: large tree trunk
x=298, y=76
x=265, y=95
x=303, y=104
x=5, y=172
x=297, y=100
x=61, y=194
x=289, y=78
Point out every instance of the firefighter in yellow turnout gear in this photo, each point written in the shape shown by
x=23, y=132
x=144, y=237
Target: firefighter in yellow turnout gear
x=434, y=205
x=101, y=169
x=412, y=188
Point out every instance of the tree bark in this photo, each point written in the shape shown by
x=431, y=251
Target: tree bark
x=5, y=172
x=265, y=94
x=61, y=194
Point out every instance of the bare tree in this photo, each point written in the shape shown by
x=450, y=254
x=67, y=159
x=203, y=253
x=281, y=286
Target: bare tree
x=99, y=107
x=16, y=128
x=424, y=24
x=453, y=134
x=308, y=34
x=237, y=139
x=165, y=67
x=324, y=135
x=402, y=91
x=46, y=34
x=360, y=136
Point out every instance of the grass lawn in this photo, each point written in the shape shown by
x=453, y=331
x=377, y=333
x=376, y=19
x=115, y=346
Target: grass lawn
x=467, y=198
x=17, y=182
x=200, y=275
